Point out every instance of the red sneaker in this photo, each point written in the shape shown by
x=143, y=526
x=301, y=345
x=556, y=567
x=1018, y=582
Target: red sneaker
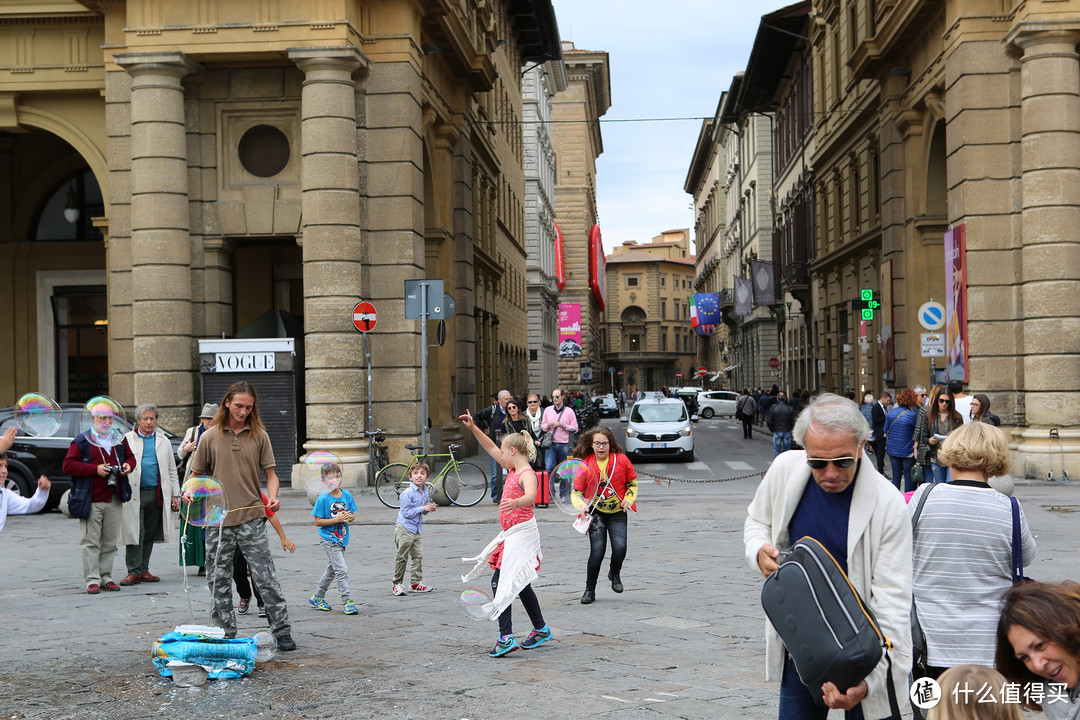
x=418, y=587
x=92, y=589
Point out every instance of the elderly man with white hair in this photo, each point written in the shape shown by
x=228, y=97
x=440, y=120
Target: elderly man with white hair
x=830, y=491
x=155, y=495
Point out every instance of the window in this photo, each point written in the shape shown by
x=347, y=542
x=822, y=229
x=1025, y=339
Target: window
x=631, y=282
x=663, y=281
x=663, y=341
x=635, y=343
x=663, y=309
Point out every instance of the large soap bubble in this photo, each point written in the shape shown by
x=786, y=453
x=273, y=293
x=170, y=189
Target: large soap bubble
x=473, y=602
x=265, y=646
x=322, y=472
x=207, y=506
x=103, y=422
x=38, y=415
x=563, y=480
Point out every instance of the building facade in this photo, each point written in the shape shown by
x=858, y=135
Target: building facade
x=647, y=324
x=233, y=161
x=575, y=113
x=540, y=83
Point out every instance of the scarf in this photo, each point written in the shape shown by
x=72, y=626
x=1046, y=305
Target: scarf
x=521, y=551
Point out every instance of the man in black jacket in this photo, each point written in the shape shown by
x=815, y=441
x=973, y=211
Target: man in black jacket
x=781, y=421
x=490, y=420
x=878, y=412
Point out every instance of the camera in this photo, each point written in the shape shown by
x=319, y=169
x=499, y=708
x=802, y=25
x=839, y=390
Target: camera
x=114, y=473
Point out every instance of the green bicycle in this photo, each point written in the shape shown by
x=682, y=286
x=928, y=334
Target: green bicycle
x=463, y=484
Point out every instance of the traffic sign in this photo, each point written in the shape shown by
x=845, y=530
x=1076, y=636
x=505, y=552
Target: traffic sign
x=932, y=315
x=867, y=304
x=933, y=344
x=774, y=363
x=364, y=316
x=702, y=371
x=678, y=374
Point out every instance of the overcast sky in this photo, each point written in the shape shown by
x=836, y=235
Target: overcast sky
x=667, y=59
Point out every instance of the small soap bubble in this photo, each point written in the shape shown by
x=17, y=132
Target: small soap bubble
x=207, y=506
x=322, y=472
x=38, y=415
x=103, y=422
x=472, y=602
x=564, y=478
x=265, y=646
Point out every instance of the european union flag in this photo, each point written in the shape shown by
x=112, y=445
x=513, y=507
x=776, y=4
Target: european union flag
x=708, y=308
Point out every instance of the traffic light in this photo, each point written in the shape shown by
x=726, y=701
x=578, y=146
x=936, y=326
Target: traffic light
x=867, y=303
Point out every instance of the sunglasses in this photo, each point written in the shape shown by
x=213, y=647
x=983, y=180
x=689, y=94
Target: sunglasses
x=822, y=463
x=533, y=402
x=943, y=401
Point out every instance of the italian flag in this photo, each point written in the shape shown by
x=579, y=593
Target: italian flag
x=693, y=313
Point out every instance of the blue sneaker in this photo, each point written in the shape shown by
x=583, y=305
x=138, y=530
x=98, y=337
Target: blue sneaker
x=350, y=608
x=506, y=645
x=537, y=637
x=319, y=603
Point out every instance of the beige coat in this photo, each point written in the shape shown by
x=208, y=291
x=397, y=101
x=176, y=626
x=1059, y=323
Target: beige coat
x=879, y=561
x=170, y=488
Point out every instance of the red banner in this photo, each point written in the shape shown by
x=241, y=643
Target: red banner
x=560, y=272
x=597, y=266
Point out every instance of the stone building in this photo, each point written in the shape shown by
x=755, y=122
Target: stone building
x=230, y=160
x=753, y=340
x=540, y=83
x=704, y=182
x=575, y=113
x=979, y=133
x=647, y=323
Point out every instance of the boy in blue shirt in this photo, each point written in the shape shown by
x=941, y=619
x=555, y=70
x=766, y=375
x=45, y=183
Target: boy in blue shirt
x=415, y=504
x=333, y=512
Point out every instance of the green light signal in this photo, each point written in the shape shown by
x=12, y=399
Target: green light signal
x=866, y=295
x=867, y=314
x=867, y=304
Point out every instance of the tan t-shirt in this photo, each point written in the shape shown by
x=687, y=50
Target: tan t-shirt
x=234, y=460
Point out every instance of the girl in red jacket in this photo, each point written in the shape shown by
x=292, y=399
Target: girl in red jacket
x=611, y=489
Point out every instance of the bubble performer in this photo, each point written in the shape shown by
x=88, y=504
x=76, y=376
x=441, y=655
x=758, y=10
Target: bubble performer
x=514, y=554
x=99, y=464
x=233, y=451
x=612, y=495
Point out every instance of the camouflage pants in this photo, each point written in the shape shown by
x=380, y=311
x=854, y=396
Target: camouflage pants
x=250, y=538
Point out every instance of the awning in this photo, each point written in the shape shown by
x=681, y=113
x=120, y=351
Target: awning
x=715, y=377
x=729, y=368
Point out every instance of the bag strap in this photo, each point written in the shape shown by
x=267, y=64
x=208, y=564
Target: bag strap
x=1017, y=543
x=894, y=707
x=919, y=507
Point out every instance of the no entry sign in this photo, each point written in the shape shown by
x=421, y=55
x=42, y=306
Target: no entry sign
x=364, y=316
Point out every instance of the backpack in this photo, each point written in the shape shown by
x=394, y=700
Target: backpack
x=835, y=638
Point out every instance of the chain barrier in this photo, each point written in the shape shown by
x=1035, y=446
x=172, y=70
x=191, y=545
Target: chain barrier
x=664, y=480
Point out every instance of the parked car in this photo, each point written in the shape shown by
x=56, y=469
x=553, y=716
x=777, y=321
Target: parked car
x=717, y=402
x=607, y=406
x=660, y=427
x=30, y=457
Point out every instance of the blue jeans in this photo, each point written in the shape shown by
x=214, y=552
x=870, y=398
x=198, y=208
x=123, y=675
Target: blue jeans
x=941, y=473
x=555, y=455
x=796, y=703
x=901, y=467
x=781, y=442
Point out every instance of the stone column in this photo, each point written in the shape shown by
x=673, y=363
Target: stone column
x=334, y=376
x=1050, y=247
x=160, y=238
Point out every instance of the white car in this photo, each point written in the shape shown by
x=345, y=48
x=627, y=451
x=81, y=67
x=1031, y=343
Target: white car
x=717, y=402
x=660, y=427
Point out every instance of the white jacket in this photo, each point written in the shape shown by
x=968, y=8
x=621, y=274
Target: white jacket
x=879, y=561
x=170, y=488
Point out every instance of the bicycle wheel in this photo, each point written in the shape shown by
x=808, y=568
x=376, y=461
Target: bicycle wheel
x=465, y=484
x=389, y=484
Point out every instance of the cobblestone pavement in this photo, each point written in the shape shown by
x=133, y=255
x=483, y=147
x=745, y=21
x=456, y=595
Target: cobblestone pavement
x=683, y=641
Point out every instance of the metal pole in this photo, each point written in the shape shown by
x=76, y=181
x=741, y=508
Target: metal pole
x=370, y=421
x=423, y=364
x=933, y=372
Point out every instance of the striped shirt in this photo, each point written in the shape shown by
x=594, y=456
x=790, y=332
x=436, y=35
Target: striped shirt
x=962, y=562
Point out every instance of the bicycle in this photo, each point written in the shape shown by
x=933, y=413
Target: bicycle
x=380, y=458
x=463, y=484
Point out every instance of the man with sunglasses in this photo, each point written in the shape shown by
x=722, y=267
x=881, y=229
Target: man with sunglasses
x=831, y=492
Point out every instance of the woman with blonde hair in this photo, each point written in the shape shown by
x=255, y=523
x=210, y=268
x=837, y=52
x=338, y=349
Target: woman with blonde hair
x=973, y=692
x=962, y=550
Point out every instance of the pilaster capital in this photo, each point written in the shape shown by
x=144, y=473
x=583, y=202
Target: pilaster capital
x=333, y=59
x=1029, y=34
x=172, y=63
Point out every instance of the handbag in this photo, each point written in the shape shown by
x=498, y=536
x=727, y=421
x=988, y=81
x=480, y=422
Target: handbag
x=918, y=475
x=829, y=632
x=79, y=497
x=545, y=441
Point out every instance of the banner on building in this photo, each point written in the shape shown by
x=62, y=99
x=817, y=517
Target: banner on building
x=764, y=282
x=705, y=309
x=705, y=330
x=560, y=268
x=569, y=329
x=597, y=267
x=744, y=293
x=888, y=341
x=956, y=339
